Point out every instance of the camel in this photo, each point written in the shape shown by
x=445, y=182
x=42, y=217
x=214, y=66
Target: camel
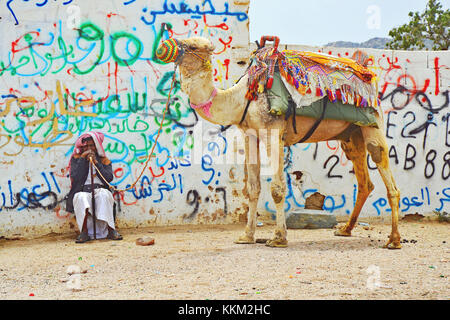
x=227, y=108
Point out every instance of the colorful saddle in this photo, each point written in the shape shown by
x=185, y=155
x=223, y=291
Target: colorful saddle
x=303, y=78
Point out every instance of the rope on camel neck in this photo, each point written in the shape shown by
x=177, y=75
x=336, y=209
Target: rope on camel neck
x=154, y=145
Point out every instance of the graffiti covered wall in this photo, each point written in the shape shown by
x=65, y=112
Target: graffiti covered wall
x=68, y=67
x=72, y=66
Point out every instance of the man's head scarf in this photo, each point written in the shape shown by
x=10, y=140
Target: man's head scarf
x=98, y=138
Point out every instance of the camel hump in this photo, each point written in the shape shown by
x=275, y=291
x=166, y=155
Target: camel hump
x=361, y=57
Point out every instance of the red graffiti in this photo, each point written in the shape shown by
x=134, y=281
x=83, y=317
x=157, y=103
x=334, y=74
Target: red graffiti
x=59, y=216
x=118, y=173
x=222, y=26
x=396, y=76
x=122, y=198
x=225, y=45
x=226, y=63
x=157, y=176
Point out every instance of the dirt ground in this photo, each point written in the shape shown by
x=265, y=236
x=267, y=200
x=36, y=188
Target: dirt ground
x=202, y=262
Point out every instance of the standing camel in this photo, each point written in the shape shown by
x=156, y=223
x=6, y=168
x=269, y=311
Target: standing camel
x=227, y=107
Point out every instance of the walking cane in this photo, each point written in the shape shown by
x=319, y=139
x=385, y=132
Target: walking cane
x=93, y=197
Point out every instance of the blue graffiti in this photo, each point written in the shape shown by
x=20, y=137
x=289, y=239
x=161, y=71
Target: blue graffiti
x=446, y=198
x=32, y=197
x=174, y=163
x=207, y=163
x=146, y=191
x=333, y=206
x=197, y=12
x=41, y=4
x=407, y=203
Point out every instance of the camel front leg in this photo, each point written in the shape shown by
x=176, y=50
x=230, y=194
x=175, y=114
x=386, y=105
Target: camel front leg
x=275, y=151
x=252, y=187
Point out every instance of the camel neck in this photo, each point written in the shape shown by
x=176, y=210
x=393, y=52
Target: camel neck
x=223, y=107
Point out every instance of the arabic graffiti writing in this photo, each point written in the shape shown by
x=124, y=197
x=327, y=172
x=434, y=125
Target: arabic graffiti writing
x=10, y=5
x=32, y=197
x=101, y=74
x=66, y=76
x=196, y=12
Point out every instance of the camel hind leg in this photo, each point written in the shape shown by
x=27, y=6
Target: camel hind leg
x=355, y=150
x=376, y=144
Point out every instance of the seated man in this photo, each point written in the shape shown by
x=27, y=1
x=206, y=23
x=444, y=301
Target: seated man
x=89, y=145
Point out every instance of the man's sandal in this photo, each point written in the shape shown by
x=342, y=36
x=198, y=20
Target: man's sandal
x=114, y=235
x=82, y=238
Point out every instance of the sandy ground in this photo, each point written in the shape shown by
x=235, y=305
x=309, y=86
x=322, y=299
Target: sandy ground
x=202, y=262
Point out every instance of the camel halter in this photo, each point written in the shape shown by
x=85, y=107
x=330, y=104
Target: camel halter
x=172, y=50
x=205, y=106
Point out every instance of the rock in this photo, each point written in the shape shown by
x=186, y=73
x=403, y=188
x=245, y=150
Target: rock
x=310, y=219
x=413, y=217
x=315, y=201
x=73, y=269
x=145, y=241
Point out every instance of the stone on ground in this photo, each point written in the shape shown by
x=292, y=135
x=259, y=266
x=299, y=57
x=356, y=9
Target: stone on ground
x=310, y=219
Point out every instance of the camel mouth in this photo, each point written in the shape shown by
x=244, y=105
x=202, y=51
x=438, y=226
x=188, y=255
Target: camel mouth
x=169, y=51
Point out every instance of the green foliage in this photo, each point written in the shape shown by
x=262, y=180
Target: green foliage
x=430, y=28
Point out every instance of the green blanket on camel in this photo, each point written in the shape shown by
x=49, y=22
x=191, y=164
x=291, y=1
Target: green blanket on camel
x=279, y=98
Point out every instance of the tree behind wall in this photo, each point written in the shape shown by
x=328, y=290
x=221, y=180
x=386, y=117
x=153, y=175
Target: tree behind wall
x=428, y=29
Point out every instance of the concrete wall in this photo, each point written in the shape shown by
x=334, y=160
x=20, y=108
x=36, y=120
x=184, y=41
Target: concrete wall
x=58, y=82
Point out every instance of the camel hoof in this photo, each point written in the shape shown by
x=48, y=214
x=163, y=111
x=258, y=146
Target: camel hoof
x=277, y=243
x=245, y=240
x=342, y=233
x=392, y=245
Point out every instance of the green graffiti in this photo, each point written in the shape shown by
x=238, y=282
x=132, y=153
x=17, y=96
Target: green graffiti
x=165, y=84
x=135, y=107
x=116, y=147
x=89, y=32
x=137, y=43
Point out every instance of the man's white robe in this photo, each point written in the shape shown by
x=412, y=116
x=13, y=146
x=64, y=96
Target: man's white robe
x=104, y=202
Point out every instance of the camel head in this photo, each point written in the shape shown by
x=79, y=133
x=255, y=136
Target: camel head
x=191, y=54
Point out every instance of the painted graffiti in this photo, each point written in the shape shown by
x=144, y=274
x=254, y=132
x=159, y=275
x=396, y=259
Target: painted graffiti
x=99, y=72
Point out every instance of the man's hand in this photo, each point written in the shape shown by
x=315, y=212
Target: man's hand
x=89, y=154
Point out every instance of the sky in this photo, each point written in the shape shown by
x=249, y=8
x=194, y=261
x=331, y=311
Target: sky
x=318, y=22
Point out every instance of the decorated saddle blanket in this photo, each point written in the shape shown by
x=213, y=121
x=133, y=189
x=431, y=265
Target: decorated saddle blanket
x=306, y=77
x=280, y=98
